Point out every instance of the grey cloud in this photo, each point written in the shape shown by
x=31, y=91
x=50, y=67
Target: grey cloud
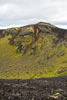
x=22, y=12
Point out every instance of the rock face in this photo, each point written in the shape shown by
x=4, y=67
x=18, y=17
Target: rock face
x=1, y=34
x=34, y=89
x=35, y=31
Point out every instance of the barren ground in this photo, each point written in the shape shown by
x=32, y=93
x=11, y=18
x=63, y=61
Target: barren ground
x=34, y=89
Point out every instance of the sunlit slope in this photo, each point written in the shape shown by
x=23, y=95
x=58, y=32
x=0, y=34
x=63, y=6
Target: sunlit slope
x=47, y=57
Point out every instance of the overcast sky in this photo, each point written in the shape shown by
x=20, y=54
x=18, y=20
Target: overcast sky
x=24, y=12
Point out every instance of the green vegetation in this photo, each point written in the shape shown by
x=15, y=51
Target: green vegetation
x=44, y=58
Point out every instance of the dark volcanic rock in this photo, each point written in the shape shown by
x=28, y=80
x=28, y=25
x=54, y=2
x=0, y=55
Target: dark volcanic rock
x=1, y=34
x=34, y=89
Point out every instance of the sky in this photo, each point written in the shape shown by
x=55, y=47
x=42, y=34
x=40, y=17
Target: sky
x=23, y=12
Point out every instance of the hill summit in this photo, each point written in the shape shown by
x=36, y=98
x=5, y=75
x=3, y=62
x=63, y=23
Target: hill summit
x=33, y=51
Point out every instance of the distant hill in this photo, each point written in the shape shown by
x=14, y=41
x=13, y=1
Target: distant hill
x=33, y=51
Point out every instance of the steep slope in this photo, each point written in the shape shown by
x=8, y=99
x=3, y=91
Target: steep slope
x=33, y=51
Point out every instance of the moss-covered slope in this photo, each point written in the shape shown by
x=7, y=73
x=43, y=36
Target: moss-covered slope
x=33, y=51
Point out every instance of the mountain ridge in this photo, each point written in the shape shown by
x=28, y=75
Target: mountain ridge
x=33, y=51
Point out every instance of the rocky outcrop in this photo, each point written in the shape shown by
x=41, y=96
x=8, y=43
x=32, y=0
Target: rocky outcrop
x=1, y=34
x=34, y=89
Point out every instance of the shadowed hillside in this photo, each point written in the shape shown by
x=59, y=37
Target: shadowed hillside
x=33, y=51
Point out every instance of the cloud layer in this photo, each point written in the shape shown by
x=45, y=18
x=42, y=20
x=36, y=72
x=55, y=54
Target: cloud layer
x=23, y=12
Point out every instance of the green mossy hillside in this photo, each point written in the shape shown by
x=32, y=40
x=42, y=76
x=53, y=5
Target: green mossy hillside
x=27, y=58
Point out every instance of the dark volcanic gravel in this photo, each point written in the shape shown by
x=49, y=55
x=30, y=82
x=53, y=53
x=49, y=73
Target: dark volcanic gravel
x=34, y=89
